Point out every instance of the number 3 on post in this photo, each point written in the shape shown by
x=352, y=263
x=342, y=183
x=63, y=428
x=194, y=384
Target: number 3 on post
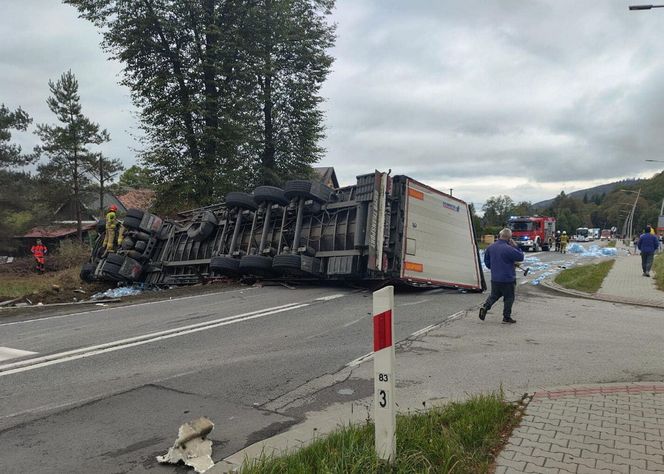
x=384, y=410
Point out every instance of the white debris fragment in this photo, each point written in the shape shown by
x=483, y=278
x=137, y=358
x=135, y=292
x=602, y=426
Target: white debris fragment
x=191, y=447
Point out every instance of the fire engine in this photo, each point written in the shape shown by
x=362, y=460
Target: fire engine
x=533, y=233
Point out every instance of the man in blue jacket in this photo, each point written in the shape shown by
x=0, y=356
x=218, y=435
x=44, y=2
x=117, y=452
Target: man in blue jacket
x=501, y=257
x=647, y=244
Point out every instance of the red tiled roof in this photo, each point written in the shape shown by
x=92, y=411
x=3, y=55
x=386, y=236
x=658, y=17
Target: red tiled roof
x=138, y=198
x=51, y=232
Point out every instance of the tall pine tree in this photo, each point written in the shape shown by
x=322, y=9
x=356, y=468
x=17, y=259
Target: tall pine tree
x=67, y=144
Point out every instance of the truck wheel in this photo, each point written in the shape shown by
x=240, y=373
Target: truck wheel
x=299, y=188
x=87, y=272
x=258, y=265
x=270, y=194
x=287, y=263
x=131, y=222
x=225, y=265
x=115, y=259
x=201, y=230
x=241, y=200
x=127, y=243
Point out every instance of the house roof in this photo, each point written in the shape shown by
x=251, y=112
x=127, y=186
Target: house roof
x=138, y=199
x=91, y=201
x=327, y=174
x=53, y=232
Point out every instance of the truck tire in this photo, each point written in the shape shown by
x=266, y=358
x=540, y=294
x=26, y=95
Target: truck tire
x=115, y=259
x=87, y=272
x=241, y=200
x=225, y=265
x=137, y=213
x=136, y=255
x=201, y=230
x=141, y=236
x=127, y=243
x=131, y=222
x=299, y=188
x=257, y=265
x=270, y=194
x=286, y=263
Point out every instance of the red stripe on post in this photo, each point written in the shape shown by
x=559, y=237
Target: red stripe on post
x=382, y=324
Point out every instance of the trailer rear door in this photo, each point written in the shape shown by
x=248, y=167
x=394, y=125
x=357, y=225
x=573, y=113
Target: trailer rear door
x=439, y=244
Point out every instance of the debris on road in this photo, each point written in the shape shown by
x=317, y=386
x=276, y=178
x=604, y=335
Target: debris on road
x=191, y=447
x=119, y=292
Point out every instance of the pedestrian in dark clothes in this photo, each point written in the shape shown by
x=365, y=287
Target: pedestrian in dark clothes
x=648, y=245
x=501, y=258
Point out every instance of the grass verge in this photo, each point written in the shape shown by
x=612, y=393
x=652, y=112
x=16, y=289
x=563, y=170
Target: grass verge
x=459, y=437
x=586, y=278
x=658, y=268
x=611, y=243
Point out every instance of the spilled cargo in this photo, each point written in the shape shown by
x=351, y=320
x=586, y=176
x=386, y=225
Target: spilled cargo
x=383, y=228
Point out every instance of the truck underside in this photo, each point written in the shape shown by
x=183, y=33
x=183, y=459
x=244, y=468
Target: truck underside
x=382, y=228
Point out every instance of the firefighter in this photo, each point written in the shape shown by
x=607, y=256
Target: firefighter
x=39, y=251
x=564, y=240
x=111, y=230
x=558, y=241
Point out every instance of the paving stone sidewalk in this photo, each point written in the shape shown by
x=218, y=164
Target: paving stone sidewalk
x=626, y=282
x=608, y=428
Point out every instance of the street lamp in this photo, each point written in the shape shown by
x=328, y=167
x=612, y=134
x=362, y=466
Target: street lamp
x=644, y=7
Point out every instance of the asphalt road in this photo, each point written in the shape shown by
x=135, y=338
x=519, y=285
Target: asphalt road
x=106, y=390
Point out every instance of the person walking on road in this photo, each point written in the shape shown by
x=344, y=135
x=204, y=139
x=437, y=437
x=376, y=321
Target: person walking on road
x=501, y=258
x=39, y=251
x=558, y=241
x=648, y=244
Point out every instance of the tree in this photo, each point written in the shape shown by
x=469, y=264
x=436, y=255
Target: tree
x=103, y=170
x=10, y=153
x=66, y=145
x=228, y=91
x=136, y=177
x=497, y=210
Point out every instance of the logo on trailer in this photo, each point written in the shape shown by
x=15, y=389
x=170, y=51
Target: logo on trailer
x=451, y=207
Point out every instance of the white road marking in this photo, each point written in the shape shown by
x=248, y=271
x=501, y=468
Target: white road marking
x=369, y=356
x=123, y=307
x=7, y=353
x=414, y=303
x=84, y=352
x=330, y=297
x=359, y=360
x=423, y=330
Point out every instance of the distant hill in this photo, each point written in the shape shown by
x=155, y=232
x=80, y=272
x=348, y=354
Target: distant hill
x=597, y=190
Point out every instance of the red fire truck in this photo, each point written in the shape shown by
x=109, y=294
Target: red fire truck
x=533, y=233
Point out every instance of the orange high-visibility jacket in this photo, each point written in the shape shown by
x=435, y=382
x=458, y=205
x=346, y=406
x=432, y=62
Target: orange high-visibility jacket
x=39, y=251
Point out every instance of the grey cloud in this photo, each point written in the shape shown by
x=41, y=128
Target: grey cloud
x=478, y=93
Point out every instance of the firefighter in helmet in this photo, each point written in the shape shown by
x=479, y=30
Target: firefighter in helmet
x=564, y=240
x=113, y=235
x=558, y=241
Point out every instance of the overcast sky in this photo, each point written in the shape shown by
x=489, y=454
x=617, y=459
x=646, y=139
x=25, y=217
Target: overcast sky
x=487, y=97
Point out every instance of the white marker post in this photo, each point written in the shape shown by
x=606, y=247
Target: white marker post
x=384, y=412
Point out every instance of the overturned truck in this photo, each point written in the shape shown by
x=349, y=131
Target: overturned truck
x=382, y=228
